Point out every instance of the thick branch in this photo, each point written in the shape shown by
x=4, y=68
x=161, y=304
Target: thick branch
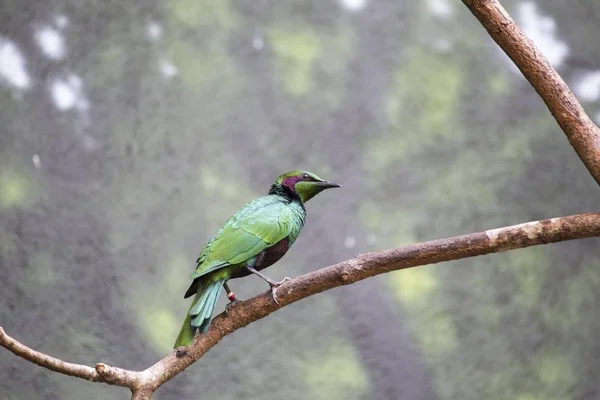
x=370, y=264
x=582, y=133
x=144, y=383
x=142, y=393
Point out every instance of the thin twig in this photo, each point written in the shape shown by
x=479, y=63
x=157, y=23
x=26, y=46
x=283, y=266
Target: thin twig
x=46, y=361
x=101, y=373
x=582, y=133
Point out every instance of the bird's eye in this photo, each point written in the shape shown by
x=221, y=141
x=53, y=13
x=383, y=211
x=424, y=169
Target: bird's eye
x=305, y=176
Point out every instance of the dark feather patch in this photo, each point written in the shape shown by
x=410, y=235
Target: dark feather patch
x=192, y=289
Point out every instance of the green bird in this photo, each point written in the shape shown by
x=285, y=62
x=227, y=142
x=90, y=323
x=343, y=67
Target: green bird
x=254, y=238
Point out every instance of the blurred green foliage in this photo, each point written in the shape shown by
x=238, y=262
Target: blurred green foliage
x=336, y=374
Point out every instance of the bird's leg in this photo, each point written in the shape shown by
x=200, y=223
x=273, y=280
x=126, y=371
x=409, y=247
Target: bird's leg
x=266, y=278
x=271, y=282
x=230, y=296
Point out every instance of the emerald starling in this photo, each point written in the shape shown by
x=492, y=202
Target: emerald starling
x=256, y=237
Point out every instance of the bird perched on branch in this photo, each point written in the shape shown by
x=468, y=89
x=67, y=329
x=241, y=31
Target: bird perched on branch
x=256, y=237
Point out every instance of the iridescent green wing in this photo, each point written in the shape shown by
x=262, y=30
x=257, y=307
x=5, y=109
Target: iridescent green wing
x=258, y=225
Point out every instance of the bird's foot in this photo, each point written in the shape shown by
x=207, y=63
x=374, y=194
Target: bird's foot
x=275, y=285
x=231, y=304
x=284, y=280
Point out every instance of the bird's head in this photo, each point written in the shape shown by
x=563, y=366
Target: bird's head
x=304, y=184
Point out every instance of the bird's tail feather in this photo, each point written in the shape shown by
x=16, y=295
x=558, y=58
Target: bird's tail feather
x=187, y=332
x=200, y=312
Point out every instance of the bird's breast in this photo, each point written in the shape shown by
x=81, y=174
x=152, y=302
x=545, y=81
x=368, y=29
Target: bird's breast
x=272, y=254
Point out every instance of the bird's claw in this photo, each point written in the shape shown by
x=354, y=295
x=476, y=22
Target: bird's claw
x=274, y=287
x=274, y=293
x=230, y=304
x=281, y=282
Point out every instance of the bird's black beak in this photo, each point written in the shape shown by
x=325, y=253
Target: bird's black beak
x=328, y=185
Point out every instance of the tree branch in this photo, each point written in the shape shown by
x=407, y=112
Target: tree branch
x=144, y=383
x=46, y=361
x=582, y=133
x=101, y=372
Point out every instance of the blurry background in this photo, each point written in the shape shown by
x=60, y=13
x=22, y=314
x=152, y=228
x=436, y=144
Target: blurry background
x=131, y=130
